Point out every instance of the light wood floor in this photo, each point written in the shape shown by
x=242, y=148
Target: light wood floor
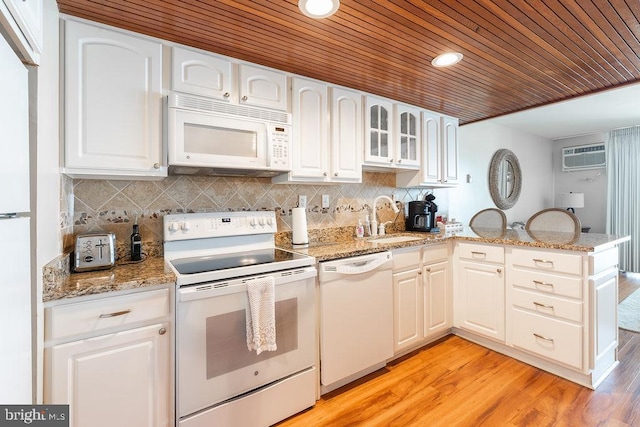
x=457, y=383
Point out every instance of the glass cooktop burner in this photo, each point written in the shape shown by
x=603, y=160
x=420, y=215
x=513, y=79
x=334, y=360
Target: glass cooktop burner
x=203, y=264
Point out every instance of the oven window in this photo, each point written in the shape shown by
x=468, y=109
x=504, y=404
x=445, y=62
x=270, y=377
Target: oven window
x=220, y=141
x=227, y=339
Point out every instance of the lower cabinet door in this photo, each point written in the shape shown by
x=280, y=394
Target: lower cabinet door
x=481, y=299
x=119, y=379
x=407, y=309
x=437, y=299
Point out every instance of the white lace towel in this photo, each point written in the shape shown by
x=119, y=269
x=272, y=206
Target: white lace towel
x=261, y=315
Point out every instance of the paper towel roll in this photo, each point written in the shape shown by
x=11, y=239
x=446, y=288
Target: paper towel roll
x=299, y=225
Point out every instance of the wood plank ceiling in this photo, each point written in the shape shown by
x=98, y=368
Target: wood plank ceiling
x=518, y=54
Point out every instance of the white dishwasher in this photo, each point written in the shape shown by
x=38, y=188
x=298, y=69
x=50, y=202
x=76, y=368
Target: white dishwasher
x=356, y=317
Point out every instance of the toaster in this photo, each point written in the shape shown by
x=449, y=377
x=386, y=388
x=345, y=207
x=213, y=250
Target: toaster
x=94, y=251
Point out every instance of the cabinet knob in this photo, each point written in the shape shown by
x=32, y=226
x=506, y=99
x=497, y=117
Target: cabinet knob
x=162, y=331
x=335, y=174
x=244, y=98
x=390, y=160
x=428, y=270
x=226, y=95
x=156, y=165
x=399, y=161
x=499, y=270
x=325, y=174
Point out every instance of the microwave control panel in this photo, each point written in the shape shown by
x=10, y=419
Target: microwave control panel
x=279, y=147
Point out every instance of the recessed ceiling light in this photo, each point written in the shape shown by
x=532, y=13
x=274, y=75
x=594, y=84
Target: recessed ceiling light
x=446, y=59
x=318, y=9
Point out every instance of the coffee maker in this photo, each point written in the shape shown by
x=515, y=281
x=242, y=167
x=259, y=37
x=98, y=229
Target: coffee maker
x=422, y=214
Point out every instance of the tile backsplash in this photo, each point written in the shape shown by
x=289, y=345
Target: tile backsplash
x=114, y=205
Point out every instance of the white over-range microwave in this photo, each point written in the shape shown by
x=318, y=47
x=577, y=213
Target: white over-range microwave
x=209, y=137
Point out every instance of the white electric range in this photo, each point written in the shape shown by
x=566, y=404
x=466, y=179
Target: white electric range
x=218, y=380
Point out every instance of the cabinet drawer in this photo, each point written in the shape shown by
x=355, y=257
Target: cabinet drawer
x=547, y=283
x=481, y=252
x=106, y=313
x=553, y=339
x=405, y=258
x=435, y=253
x=549, y=305
x=548, y=261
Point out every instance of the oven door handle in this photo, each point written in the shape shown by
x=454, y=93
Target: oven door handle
x=232, y=286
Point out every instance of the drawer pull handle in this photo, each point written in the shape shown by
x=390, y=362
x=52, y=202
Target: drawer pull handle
x=115, y=314
x=542, y=337
x=543, y=261
x=483, y=254
x=539, y=283
x=539, y=304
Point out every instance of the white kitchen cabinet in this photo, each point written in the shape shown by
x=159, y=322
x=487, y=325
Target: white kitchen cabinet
x=113, y=104
x=262, y=87
x=323, y=152
x=480, y=301
x=109, y=359
x=437, y=293
x=310, y=142
x=408, y=307
x=422, y=296
x=392, y=135
x=450, y=174
x=439, y=165
x=221, y=78
x=408, y=139
x=23, y=23
x=203, y=74
x=379, y=132
x=563, y=307
x=346, y=135
x=118, y=379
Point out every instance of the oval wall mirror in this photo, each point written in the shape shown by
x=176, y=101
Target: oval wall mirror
x=505, y=179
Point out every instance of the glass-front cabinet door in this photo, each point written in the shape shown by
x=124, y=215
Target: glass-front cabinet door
x=408, y=136
x=379, y=132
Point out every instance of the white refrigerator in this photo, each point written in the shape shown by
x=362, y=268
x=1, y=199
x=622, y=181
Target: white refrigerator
x=15, y=232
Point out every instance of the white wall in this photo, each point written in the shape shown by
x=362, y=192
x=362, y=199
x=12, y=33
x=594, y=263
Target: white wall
x=593, y=183
x=478, y=143
x=49, y=244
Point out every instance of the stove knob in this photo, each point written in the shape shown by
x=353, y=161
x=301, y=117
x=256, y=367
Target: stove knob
x=262, y=222
x=186, y=226
x=173, y=227
x=270, y=221
x=253, y=222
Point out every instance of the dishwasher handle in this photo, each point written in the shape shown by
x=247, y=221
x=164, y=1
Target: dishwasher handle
x=362, y=266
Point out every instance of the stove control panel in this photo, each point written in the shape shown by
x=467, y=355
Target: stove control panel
x=218, y=224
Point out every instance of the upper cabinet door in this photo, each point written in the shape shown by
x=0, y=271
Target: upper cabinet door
x=263, y=88
x=431, y=160
x=201, y=74
x=310, y=131
x=113, y=103
x=346, y=136
x=408, y=138
x=450, y=150
x=379, y=130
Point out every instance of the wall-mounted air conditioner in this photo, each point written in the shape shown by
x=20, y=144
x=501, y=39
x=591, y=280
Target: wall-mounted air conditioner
x=583, y=157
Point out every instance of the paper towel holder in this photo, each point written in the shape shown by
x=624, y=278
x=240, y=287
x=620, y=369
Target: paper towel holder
x=300, y=237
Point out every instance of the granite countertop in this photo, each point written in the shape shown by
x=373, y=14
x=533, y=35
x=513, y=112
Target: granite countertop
x=326, y=250
x=59, y=283
x=328, y=244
